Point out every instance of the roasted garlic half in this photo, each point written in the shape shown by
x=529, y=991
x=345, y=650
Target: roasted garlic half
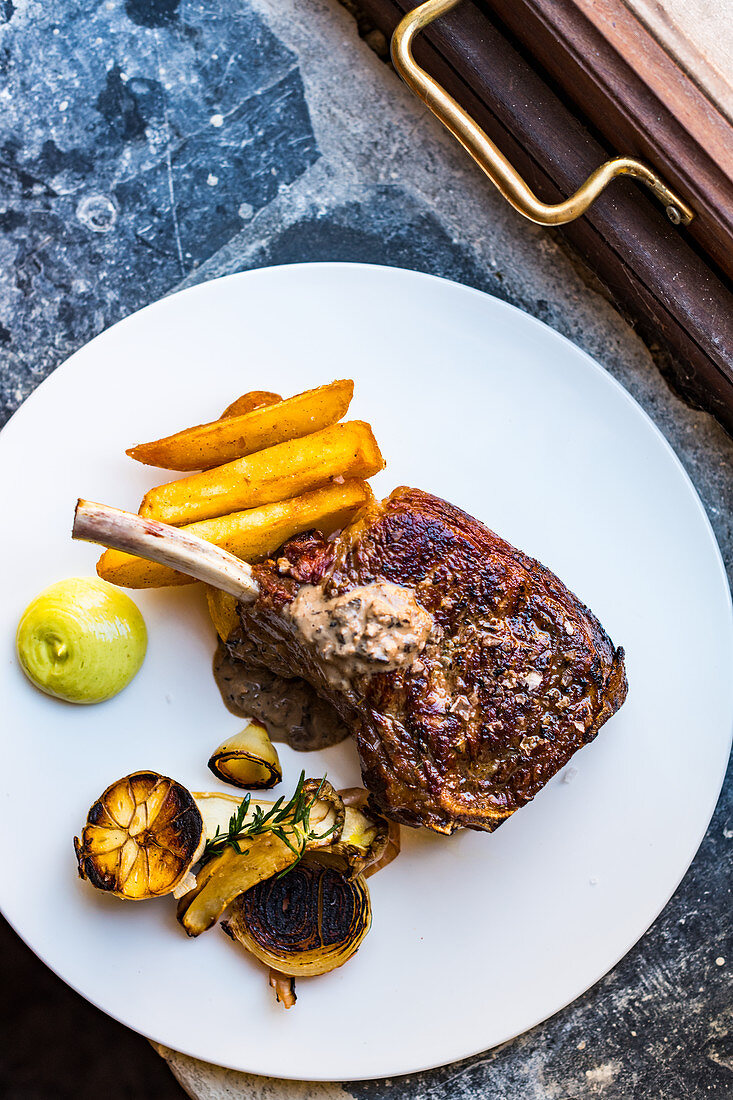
x=141, y=837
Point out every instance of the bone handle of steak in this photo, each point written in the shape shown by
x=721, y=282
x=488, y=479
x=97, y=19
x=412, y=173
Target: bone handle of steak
x=159, y=542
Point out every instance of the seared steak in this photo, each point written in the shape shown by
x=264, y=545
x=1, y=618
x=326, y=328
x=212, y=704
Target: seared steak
x=516, y=676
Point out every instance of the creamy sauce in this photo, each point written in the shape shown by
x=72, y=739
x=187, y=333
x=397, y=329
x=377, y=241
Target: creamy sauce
x=376, y=627
x=373, y=628
x=289, y=709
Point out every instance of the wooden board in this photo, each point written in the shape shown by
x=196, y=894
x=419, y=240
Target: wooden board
x=659, y=276
x=619, y=77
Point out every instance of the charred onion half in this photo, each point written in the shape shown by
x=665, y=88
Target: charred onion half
x=308, y=923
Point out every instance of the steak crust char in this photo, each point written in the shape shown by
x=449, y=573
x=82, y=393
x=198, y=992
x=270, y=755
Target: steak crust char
x=516, y=677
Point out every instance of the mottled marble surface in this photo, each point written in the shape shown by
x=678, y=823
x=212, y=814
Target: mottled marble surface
x=149, y=144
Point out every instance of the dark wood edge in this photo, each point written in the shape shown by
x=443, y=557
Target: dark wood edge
x=609, y=65
x=652, y=274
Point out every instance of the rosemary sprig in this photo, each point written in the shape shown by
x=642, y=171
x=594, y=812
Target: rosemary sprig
x=282, y=818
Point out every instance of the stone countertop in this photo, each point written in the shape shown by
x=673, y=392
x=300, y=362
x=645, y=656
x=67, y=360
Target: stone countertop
x=150, y=144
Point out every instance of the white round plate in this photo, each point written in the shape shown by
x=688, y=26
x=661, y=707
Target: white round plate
x=476, y=937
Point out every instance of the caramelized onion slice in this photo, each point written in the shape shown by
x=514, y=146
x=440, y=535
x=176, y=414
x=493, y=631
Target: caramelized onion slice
x=248, y=759
x=325, y=819
x=217, y=808
x=389, y=852
x=326, y=816
x=308, y=922
x=368, y=840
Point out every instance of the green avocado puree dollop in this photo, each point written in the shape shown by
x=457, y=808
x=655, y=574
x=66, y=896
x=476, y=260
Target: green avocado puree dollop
x=81, y=640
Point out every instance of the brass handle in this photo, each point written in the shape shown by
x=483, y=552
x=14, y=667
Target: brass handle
x=488, y=156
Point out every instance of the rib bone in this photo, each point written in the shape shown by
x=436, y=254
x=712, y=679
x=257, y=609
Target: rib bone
x=166, y=545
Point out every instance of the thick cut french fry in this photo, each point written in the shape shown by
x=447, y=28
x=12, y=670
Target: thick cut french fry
x=250, y=535
x=278, y=473
x=248, y=402
x=233, y=437
x=223, y=611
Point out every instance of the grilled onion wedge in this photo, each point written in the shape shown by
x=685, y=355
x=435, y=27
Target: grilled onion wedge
x=368, y=841
x=141, y=837
x=248, y=759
